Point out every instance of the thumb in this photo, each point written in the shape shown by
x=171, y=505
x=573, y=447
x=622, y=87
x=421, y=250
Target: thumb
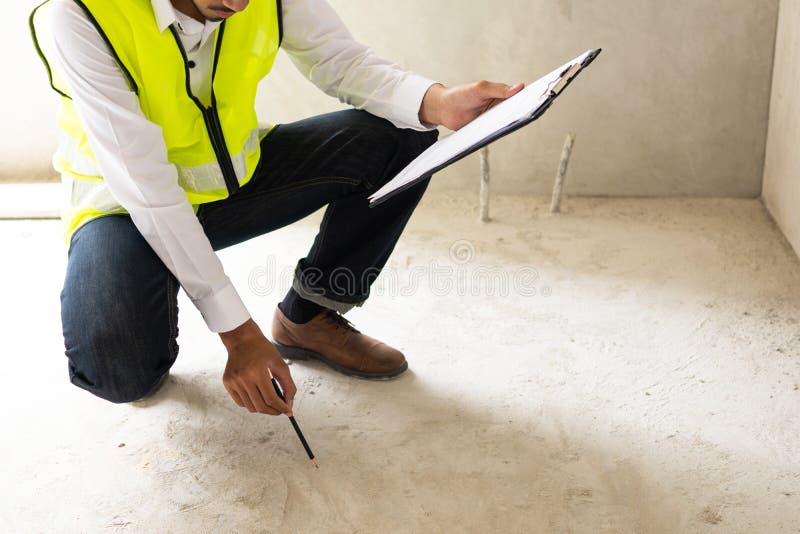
x=497, y=90
x=514, y=89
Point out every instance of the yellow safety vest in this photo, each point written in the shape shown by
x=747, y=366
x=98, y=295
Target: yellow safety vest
x=215, y=148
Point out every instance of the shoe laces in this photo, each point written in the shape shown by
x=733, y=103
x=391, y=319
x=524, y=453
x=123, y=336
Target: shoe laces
x=339, y=321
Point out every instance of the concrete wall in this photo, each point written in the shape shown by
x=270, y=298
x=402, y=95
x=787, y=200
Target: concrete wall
x=676, y=105
x=27, y=104
x=782, y=167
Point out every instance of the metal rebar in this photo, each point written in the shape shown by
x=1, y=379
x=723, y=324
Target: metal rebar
x=558, y=188
x=484, y=194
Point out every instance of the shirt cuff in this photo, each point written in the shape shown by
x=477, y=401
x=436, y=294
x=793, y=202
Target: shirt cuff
x=409, y=96
x=224, y=310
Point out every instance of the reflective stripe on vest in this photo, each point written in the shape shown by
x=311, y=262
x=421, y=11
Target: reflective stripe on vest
x=216, y=148
x=91, y=194
x=197, y=179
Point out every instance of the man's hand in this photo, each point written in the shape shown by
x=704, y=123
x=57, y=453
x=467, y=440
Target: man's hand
x=454, y=107
x=250, y=358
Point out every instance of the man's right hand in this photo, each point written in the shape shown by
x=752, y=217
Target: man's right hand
x=251, y=357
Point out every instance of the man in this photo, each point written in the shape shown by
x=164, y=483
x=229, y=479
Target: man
x=164, y=163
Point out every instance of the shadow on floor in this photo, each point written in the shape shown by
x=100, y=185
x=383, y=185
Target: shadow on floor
x=394, y=457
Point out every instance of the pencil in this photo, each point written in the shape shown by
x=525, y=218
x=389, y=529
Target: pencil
x=294, y=423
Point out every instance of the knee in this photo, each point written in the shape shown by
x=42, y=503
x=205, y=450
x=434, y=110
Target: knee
x=401, y=147
x=106, y=393
x=426, y=139
x=374, y=131
x=415, y=142
x=117, y=387
x=115, y=367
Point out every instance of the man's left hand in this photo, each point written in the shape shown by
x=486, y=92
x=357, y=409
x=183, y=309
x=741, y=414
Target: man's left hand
x=454, y=107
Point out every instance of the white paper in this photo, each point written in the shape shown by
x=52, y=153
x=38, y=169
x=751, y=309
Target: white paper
x=520, y=106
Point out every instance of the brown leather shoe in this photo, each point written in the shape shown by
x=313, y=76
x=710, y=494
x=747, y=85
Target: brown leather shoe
x=332, y=339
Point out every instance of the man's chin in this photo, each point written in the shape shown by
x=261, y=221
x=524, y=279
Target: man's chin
x=218, y=15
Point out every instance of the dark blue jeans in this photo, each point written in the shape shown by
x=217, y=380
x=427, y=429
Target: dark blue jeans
x=119, y=303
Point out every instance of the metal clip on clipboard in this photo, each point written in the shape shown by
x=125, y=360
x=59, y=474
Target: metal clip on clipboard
x=563, y=80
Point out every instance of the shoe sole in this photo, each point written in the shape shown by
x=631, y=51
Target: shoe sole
x=298, y=353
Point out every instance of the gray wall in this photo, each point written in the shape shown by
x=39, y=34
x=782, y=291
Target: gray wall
x=781, y=174
x=676, y=105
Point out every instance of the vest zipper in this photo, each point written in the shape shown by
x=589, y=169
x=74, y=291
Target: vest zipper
x=220, y=148
x=211, y=116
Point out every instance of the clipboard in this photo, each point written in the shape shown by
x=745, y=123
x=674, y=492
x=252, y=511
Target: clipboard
x=507, y=117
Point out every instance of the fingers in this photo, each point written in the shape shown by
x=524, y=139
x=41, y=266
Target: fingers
x=260, y=400
x=254, y=398
x=234, y=395
x=248, y=403
x=248, y=381
x=267, y=391
x=284, y=378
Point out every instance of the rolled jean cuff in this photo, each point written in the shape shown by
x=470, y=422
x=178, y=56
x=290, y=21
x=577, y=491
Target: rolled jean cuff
x=316, y=296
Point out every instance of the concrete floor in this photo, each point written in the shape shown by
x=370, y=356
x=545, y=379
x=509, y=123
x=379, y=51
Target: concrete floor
x=638, y=372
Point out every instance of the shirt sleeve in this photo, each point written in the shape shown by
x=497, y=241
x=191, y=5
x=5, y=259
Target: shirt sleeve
x=325, y=52
x=132, y=156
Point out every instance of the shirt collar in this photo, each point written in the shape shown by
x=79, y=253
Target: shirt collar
x=165, y=14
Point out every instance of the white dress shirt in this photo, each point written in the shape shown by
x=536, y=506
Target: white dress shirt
x=131, y=152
